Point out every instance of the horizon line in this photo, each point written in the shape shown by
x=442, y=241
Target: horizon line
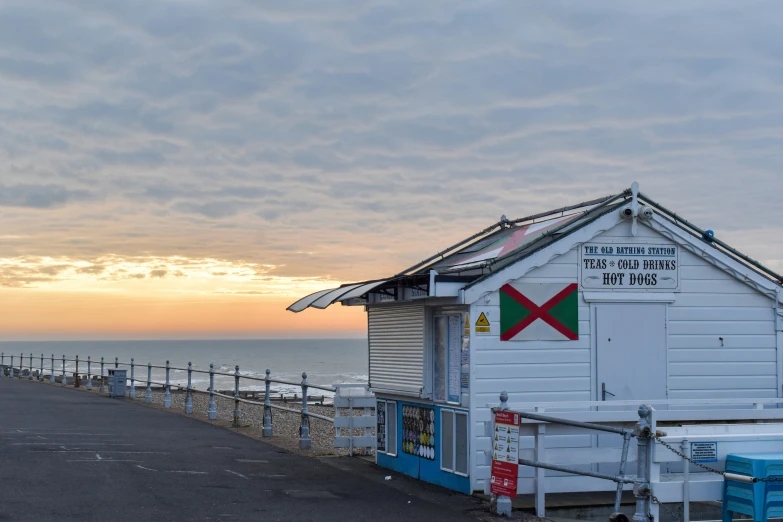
x=184, y=339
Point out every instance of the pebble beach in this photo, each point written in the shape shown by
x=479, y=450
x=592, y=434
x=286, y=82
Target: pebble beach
x=285, y=425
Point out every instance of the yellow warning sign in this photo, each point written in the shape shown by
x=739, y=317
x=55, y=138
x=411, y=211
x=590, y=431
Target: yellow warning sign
x=467, y=325
x=482, y=324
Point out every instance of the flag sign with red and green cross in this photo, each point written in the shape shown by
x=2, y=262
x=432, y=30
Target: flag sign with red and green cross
x=546, y=312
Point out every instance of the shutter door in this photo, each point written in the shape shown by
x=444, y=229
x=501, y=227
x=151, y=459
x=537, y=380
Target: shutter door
x=396, y=335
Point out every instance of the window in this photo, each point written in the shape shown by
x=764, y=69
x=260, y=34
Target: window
x=454, y=442
x=447, y=350
x=440, y=358
x=386, y=429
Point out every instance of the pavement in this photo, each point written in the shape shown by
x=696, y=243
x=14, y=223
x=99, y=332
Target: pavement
x=68, y=455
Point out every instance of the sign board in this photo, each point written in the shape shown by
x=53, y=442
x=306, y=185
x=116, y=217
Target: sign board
x=629, y=266
x=704, y=451
x=414, y=293
x=482, y=324
x=505, y=454
x=539, y=312
x=380, y=415
x=455, y=358
x=465, y=356
x=418, y=431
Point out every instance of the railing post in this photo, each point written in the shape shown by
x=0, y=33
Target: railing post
x=100, y=390
x=116, y=362
x=304, y=430
x=21, y=364
x=267, y=405
x=65, y=379
x=237, y=413
x=686, y=485
x=167, y=391
x=11, y=368
x=618, y=495
x=132, y=392
x=503, y=504
x=89, y=373
x=641, y=487
x=212, y=409
x=30, y=376
x=2, y=365
x=148, y=393
x=350, y=426
x=540, y=473
x=77, y=371
x=51, y=377
x=40, y=374
x=189, y=398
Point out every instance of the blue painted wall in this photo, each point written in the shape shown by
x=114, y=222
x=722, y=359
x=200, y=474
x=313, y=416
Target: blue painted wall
x=418, y=467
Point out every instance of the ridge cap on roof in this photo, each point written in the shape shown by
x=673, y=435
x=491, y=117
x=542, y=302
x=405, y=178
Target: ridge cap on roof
x=529, y=249
x=710, y=239
x=488, y=231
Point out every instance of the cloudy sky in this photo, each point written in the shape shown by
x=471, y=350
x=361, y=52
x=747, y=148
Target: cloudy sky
x=188, y=168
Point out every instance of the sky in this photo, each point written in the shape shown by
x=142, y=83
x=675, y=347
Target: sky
x=187, y=168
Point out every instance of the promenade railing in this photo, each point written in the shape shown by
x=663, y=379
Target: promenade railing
x=35, y=367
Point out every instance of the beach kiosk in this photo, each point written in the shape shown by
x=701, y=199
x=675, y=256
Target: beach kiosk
x=616, y=299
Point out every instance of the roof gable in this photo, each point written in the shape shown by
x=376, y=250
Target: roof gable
x=509, y=249
x=666, y=227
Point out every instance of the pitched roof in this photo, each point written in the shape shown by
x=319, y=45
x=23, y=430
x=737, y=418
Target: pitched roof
x=508, y=241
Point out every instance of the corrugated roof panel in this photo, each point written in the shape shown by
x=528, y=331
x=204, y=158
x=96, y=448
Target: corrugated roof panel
x=308, y=300
x=505, y=245
x=361, y=290
x=330, y=297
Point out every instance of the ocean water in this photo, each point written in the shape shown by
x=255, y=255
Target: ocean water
x=326, y=361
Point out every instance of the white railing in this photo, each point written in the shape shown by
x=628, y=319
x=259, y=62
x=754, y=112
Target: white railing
x=59, y=369
x=735, y=425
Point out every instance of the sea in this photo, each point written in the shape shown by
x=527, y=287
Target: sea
x=326, y=361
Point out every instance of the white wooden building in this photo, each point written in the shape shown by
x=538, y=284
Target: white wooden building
x=617, y=299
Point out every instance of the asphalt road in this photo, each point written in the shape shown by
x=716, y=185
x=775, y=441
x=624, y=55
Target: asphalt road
x=68, y=455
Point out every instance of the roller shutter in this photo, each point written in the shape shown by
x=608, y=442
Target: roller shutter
x=396, y=335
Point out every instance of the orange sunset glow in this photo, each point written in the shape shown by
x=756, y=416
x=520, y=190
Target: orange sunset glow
x=161, y=298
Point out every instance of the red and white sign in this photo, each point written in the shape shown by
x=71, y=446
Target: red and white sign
x=505, y=454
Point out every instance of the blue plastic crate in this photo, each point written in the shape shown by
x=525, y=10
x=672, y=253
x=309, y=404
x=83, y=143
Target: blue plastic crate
x=760, y=500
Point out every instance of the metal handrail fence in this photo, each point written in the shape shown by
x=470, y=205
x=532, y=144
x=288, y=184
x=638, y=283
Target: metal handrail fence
x=671, y=472
x=59, y=366
x=641, y=481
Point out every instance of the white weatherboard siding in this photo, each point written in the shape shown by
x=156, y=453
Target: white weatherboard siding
x=530, y=371
x=711, y=305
